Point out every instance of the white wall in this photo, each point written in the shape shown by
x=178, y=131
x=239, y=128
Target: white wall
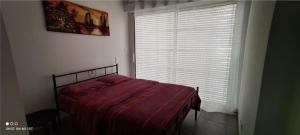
x=257, y=36
x=38, y=53
x=12, y=107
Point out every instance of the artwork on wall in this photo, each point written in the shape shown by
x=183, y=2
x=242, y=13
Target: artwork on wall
x=65, y=16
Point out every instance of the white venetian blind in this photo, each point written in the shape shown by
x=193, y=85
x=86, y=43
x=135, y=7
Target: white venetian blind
x=190, y=46
x=154, y=38
x=204, y=45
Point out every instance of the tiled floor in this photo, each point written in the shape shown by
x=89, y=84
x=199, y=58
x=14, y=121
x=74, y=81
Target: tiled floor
x=207, y=124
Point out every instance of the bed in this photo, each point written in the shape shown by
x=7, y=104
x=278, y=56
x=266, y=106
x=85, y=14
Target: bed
x=113, y=104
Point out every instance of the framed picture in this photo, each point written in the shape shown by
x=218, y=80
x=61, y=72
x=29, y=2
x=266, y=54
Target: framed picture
x=65, y=16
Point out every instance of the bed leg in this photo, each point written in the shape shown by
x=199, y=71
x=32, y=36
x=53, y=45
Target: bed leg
x=197, y=90
x=179, y=130
x=195, y=114
x=59, y=118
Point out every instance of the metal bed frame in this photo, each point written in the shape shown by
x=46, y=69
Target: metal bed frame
x=185, y=109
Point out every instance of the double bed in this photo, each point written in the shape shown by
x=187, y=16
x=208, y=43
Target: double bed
x=113, y=104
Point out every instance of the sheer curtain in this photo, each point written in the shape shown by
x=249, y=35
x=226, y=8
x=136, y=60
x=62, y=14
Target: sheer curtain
x=192, y=46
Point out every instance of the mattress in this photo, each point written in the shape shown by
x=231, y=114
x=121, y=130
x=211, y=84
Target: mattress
x=119, y=105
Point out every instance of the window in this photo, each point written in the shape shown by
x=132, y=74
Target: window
x=155, y=34
x=194, y=47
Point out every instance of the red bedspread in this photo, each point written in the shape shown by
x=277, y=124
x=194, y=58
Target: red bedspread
x=132, y=107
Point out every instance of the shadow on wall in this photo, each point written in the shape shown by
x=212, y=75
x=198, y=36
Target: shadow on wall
x=279, y=106
x=12, y=107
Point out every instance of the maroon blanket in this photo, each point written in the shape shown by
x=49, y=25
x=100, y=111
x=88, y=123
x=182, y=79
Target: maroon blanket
x=131, y=107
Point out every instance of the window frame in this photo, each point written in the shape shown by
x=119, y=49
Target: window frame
x=242, y=13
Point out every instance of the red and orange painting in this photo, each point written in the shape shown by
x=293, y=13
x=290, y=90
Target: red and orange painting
x=65, y=16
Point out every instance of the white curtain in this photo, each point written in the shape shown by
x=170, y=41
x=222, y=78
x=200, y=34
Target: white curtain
x=197, y=46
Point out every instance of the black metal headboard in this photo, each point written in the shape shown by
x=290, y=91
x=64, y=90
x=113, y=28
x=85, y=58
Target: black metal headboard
x=56, y=86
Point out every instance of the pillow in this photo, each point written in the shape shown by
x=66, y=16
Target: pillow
x=83, y=88
x=114, y=79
